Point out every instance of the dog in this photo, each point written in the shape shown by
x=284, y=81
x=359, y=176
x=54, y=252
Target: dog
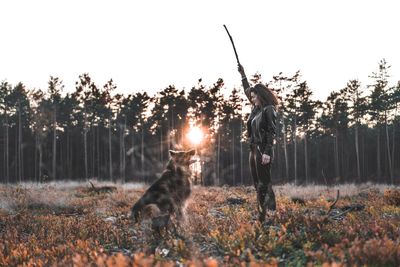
x=167, y=196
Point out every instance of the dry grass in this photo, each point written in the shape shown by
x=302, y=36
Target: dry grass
x=65, y=224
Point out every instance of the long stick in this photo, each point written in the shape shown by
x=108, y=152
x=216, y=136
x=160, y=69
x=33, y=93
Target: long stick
x=234, y=48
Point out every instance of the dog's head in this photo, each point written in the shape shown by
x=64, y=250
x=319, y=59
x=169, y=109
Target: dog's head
x=182, y=157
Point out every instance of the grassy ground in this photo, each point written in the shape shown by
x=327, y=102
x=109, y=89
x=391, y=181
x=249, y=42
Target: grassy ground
x=67, y=224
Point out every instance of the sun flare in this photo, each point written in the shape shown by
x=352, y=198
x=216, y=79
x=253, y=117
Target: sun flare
x=195, y=135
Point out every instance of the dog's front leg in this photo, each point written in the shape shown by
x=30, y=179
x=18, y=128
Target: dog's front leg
x=160, y=222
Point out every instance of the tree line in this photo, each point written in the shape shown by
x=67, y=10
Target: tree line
x=93, y=132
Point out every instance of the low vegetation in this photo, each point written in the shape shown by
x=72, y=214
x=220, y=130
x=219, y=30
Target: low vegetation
x=72, y=224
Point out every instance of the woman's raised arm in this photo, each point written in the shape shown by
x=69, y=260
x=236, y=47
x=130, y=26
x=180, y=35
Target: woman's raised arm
x=245, y=82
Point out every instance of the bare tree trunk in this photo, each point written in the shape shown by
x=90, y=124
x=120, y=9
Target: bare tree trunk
x=363, y=173
x=61, y=160
x=20, y=166
x=218, y=158
x=85, y=144
x=93, y=146
x=7, y=153
x=357, y=154
x=215, y=162
x=337, y=168
x=54, y=144
x=121, y=161
x=124, y=156
x=233, y=156
x=16, y=160
x=393, y=141
x=241, y=153
x=123, y=151
x=378, y=156
x=69, y=165
x=142, y=154
x=295, y=152
x=40, y=159
x=306, y=156
x=285, y=151
x=110, y=150
x=342, y=154
x=36, y=157
x=318, y=162
x=98, y=151
x=388, y=150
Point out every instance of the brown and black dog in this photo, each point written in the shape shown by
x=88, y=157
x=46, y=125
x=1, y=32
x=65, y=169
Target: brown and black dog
x=168, y=194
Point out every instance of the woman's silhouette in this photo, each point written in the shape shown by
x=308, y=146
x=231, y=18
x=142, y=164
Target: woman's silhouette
x=261, y=131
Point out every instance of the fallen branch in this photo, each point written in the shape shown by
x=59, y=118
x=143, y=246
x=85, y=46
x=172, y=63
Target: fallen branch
x=341, y=211
x=103, y=189
x=346, y=209
x=334, y=203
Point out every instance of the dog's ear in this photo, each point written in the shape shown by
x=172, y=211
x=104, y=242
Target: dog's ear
x=191, y=152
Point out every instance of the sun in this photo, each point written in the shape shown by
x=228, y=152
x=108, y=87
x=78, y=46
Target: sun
x=195, y=135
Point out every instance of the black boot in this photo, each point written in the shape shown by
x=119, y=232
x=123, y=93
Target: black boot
x=270, y=201
x=266, y=200
x=261, y=207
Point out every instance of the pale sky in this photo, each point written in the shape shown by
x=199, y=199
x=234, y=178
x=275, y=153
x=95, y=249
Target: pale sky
x=147, y=45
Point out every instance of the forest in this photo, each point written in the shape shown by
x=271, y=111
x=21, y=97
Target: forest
x=74, y=162
x=92, y=132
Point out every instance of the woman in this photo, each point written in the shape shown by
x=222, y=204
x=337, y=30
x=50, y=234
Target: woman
x=261, y=131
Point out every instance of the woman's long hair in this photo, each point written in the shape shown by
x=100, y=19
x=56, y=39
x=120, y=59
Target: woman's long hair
x=266, y=95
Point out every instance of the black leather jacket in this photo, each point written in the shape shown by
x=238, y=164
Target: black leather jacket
x=261, y=125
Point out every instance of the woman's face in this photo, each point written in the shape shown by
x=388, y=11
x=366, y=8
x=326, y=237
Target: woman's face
x=255, y=99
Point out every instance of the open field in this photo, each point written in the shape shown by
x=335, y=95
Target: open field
x=70, y=224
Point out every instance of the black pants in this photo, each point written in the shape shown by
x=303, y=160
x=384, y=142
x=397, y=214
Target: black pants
x=261, y=175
